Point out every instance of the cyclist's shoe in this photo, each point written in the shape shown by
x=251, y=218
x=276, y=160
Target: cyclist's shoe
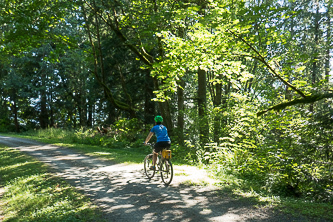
x=152, y=168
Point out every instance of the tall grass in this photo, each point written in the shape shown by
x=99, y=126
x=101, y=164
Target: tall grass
x=121, y=146
x=113, y=139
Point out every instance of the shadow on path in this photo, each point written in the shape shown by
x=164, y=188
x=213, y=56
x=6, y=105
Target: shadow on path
x=125, y=194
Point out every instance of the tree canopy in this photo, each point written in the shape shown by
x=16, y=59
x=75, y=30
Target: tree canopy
x=247, y=83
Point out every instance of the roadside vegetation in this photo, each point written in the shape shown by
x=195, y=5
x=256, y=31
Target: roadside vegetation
x=29, y=192
x=126, y=146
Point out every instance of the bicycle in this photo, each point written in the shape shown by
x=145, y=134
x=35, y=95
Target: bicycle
x=163, y=165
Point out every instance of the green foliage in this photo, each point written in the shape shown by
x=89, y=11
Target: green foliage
x=32, y=194
x=128, y=129
x=5, y=125
x=255, y=55
x=124, y=133
x=286, y=154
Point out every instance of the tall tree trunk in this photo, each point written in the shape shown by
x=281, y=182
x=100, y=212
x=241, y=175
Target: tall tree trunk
x=180, y=118
x=316, y=29
x=202, y=107
x=82, y=104
x=315, y=52
x=149, y=93
x=164, y=108
x=51, y=109
x=74, y=118
x=217, y=119
x=165, y=112
x=328, y=43
x=14, y=110
x=288, y=94
x=90, y=113
x=112, y=114
x=227, y=90
x=78, y=98
x=43, y=118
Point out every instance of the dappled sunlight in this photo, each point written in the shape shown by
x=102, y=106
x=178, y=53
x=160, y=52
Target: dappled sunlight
x=18, y=165
x=124, y=193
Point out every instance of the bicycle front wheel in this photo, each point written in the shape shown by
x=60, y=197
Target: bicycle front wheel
x=166, y=171
x=148, y=162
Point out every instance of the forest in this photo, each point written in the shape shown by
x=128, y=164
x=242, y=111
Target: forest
x=244, y=86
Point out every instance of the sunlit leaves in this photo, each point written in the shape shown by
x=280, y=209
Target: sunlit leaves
x=209, y=50
x=28, y=23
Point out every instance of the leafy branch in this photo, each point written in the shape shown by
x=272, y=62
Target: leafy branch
x=263, y=60
x=306, y=100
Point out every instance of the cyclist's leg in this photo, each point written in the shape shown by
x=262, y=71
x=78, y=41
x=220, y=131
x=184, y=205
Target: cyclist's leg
x=155, y=154
x=157, y=149
x=154, y=158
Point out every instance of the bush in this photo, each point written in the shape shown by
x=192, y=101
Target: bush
x=6, y=126
x=288, y=153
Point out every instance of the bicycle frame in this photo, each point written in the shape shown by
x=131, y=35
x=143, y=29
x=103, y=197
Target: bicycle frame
x=164, y=166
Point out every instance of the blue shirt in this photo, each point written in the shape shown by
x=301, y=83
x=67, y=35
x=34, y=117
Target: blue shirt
x=161, y=133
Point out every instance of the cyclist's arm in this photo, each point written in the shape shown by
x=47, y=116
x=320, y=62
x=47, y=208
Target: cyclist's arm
x=149, y=137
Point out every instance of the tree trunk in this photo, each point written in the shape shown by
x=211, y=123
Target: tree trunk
x=217, y=119
x=149, y=104
x=328, y=43
x=78, y=98
x=14, y=110
x=112, y=114
x=70, y=118
x=90, y=113
x=51, y=109
x=227, y=90
x=82, y=101
x=202, y=107
x=43, y=118
x=180, y=118
x=165, y=110
x=315, y=52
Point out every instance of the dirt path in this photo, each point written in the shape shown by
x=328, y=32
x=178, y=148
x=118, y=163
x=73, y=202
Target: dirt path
x=124, y=194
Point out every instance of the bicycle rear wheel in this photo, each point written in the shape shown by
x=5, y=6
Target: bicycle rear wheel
x=166, y=171
x=148, y=162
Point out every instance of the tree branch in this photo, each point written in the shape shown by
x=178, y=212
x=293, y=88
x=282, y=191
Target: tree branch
x=114, y=25
x=306, y=100
x=272, y=70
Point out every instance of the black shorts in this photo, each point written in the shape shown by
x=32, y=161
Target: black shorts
x=162, y=145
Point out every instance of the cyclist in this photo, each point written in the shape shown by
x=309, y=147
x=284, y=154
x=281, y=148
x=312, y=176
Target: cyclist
x=163, y=139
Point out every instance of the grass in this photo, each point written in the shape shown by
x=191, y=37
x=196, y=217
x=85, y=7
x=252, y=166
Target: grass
x=117, y=155
x=31, y=193
x=119, y=152
x=295, y=206
x=310, y=209
x=106, y=148
x=123, y=153
x=190, y=183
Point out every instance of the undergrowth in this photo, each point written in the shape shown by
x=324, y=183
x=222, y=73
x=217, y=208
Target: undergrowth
x=250, y=188
x=113, y=146
x=242, y=181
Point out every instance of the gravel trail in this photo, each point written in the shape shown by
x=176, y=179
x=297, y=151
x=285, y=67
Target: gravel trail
x=125, y=194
